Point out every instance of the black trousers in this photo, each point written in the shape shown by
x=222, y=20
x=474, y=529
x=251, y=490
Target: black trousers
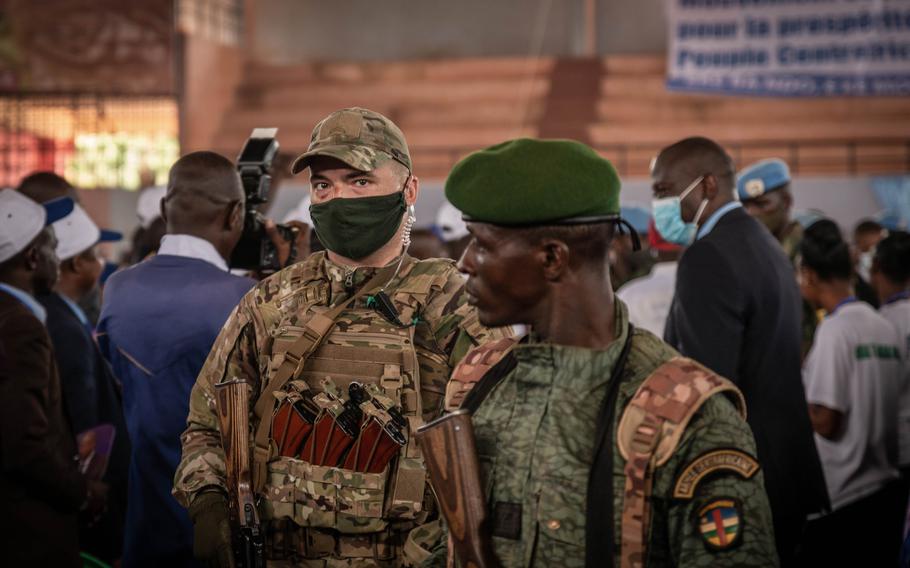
x=866, y=533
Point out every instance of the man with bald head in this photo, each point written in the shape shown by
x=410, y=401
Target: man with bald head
x=736, y=309
x=159, y=320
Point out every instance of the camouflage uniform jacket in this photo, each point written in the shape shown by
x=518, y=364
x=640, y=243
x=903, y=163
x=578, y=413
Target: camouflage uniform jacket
x=428, y=294
x=535, y=440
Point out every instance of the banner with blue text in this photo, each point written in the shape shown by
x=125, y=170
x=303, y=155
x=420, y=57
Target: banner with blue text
x=790, y=47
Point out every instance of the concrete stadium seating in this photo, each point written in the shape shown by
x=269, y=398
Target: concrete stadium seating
x=618, y=104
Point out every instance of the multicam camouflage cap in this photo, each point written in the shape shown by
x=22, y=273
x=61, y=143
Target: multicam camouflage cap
x=361, y=138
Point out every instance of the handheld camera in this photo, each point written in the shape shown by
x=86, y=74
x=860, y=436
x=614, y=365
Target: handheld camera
x=255, y=251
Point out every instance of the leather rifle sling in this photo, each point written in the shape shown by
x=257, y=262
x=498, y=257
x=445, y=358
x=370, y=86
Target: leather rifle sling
x=599, y=525
x=315, y=330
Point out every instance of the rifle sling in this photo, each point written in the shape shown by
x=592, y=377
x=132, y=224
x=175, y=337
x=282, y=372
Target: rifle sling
x=316, y=329
x=599, y=526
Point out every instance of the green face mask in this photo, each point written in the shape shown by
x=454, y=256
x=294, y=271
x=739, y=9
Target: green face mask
x=357, y=227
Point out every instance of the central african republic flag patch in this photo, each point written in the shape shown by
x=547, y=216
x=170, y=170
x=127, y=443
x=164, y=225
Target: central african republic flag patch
x=720, y=523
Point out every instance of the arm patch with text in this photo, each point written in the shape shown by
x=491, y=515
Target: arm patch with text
x=709, y=463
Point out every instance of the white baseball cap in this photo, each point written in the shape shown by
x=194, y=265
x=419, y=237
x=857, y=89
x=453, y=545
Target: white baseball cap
x=148, y=208
x=77, y=232
x=450, y=224
x=21, y=219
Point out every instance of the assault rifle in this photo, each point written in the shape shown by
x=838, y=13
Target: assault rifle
x=448, y=448
x=233, y=401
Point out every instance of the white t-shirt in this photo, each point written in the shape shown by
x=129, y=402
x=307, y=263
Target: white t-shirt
x=854, y=367
x=898, y=313
x=649, y=297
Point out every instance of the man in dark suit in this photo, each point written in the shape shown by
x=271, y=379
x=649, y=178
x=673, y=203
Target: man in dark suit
x=91, y=395
x=737, y=310
x=41, y=486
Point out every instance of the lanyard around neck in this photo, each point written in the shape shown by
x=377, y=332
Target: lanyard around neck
x=844, y=302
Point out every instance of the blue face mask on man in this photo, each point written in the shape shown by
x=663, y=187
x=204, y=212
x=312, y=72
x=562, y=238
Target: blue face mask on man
x=668, y=219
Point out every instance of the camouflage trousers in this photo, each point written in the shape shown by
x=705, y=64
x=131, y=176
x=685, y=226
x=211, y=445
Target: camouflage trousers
x=290, y=545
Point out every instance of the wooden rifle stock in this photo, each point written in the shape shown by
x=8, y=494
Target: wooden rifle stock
x=233, y=402
x=448, y=448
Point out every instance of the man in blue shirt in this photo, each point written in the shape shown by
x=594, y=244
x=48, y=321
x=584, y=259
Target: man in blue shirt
x=158, y=322
x=737, y=310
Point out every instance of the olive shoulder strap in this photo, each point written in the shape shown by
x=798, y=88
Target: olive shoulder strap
x=472, y=369
x=648, y=434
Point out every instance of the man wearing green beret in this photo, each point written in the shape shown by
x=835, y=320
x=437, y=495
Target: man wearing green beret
x=599, y=445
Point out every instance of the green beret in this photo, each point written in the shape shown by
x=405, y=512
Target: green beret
x=535, y=182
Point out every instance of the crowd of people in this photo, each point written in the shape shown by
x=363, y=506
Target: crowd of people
x=715, y=380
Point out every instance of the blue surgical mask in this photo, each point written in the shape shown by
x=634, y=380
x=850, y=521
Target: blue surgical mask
x=668, y=219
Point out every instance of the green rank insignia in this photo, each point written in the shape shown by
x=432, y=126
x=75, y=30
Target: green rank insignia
x=720, y=523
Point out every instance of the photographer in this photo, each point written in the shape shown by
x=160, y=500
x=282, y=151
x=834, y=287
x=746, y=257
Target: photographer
x=158, y=322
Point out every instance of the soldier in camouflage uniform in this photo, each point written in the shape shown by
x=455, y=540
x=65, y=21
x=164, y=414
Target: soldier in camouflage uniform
x=325, y=515
x=665, y=474
x=764, y=189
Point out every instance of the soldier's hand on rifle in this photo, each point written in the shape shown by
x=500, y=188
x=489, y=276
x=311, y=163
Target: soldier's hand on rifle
x=212, y=529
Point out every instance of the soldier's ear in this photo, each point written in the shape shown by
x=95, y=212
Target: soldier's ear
x=554, y=255
x=411, y=190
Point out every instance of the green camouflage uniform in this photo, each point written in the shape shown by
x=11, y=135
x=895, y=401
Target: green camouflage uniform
x=535, y=439
x=251, y=346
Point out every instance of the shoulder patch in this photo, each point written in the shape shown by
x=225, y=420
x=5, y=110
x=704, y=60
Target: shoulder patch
x=722, y=460
x=720, y=523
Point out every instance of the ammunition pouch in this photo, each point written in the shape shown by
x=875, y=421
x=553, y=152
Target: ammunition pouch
x=326, y=498
x=284, y=540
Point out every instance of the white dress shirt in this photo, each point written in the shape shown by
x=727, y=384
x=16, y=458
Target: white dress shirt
x=191, y=247
x=649, y=297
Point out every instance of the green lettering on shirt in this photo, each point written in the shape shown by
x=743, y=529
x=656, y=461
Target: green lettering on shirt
x=877, y=351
